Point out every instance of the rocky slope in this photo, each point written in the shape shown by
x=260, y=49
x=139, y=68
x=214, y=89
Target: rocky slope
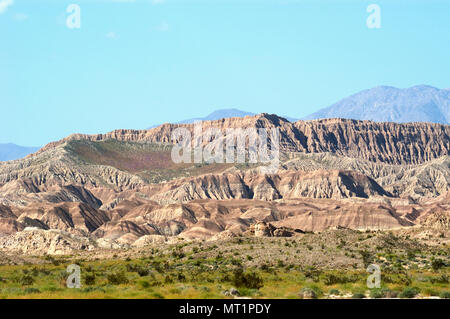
x=422, y=181
x=213, y=219
x=122, y=188
x=410, y=143
x=318, y=184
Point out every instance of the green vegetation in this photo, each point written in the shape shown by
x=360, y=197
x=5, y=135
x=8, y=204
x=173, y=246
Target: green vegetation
x=410, y=292
x=166, y=278
x=151, y=161
x=310, y=266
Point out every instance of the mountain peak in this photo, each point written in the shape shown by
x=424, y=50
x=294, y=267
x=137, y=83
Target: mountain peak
x=420, y=103
x=10, y=151
x=272, y=118
x=225, y=113
x=423, y=87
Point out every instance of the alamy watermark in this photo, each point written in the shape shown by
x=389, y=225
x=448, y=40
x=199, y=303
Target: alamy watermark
x=234, y=145
x=374, y=280
x=374, y=19
x=73, y=21
x=74, y=278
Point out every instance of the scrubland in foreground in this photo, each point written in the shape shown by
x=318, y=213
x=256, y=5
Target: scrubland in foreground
x=331, y=264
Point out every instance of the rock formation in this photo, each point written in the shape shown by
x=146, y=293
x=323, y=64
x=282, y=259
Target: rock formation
x=121, y=188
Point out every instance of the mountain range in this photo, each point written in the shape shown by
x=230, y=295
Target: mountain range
x=420, y=103
x=122, y=189
x=9, y=152
x=222, y=114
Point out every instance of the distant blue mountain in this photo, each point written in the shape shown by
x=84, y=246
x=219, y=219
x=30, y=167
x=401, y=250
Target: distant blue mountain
x=420, y=103
x=217, y=115
x=221, y=114
x=9, y=152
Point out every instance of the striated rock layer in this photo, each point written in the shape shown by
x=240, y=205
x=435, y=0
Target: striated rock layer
x=409, y=143
x=122, y=188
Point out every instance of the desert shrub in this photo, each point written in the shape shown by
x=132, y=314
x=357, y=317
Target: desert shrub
x=157, y=295
x=225, y=278
x=377, y=293
x=91, y=289
x=178, y=254
x=155, y=283
x=445, y=295
x=410, y=254
x=143, y=272
x=168, y=279
x=61, y=276
x=289, y=267
x=144, y=284
x=437, y=264
x=405, y=280
x=390, y=240
x=312, y=273
x=117, y=278
x=401, y=279
x=332, y=279
x=367, y=257
x=89, y=268
x=335, y=292
x=157, y=266
x=34, y=272
x=175, y=291
x=51, y=259
x=181, y=277
x=44, y=271
x=130, y=267
x=30, y=290
x=249, y=280
x=264, y=267
x=249, y=292
x=442, y=279
x=236, y=262
x=26, y=280
x=89, y=279
x=219, y=256
x=133, y=267
x=409, y=292
x=358, y=295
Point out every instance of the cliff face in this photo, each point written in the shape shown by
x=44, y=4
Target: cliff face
x=318, y=184
x=409, y=143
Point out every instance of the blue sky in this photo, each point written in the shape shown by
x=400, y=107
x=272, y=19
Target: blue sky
x=133, y=64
